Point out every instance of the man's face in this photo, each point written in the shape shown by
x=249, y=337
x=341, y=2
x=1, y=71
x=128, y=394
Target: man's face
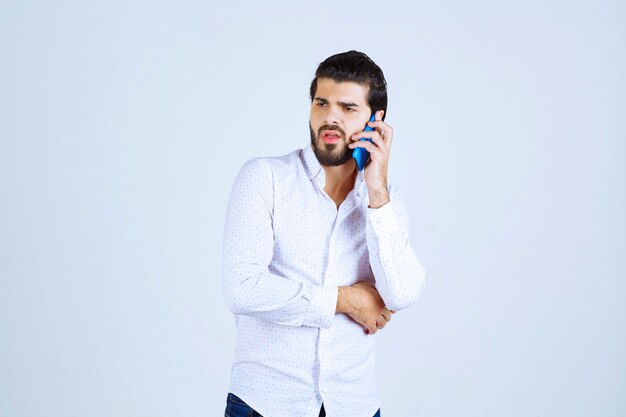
x=338, y=111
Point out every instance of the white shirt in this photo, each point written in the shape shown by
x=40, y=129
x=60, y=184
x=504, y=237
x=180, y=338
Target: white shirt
x=287, y=249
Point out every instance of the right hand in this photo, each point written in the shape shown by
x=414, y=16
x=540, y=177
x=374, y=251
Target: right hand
x=368, y=308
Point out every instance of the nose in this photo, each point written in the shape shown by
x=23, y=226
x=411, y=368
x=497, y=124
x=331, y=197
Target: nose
x=332, y=116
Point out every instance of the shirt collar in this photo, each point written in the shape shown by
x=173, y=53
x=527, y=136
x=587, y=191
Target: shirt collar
x=311, y=164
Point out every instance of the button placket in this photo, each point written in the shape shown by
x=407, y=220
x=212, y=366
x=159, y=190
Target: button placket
x=323, y=347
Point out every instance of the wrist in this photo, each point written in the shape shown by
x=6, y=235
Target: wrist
x=378, y=198
x=344, y=300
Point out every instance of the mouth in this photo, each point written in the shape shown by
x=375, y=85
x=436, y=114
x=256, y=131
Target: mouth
x=331, y=136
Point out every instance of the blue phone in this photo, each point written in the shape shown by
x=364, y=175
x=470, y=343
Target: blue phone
x=361, y=154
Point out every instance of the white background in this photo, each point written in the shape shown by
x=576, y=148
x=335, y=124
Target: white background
x=123, y=124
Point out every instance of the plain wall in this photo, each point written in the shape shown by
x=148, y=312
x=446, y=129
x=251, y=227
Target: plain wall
x=123, y=124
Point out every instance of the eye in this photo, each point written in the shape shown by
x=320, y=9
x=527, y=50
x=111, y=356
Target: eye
x=349, y=109
x=319, y=103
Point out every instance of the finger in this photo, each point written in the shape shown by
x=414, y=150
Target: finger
x=379, y=124
x=380, y=142
x=367, y=135
x=371, y=148
x=383, y=142
x=376, y=139
x=377, y=153
x=381, y=127
x=386, y=314
x=373, y=325
x=380, y=324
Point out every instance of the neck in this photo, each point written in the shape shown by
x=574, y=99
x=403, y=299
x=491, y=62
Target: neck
x=340, y=178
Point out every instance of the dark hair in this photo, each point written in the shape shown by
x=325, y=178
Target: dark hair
x=359, y=68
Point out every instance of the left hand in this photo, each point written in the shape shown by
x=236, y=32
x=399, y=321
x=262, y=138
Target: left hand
x=375, y=171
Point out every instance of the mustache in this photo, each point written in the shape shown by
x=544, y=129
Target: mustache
x=331, y=127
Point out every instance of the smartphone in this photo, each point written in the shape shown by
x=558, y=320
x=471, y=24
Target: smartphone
x=361, y=154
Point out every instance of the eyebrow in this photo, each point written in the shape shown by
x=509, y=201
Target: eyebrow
x=342, y=103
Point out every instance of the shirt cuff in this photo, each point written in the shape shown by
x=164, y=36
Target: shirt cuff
x=382, y=219
x=322, y=306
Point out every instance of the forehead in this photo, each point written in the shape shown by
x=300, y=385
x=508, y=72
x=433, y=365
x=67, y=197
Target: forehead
x=346, y=91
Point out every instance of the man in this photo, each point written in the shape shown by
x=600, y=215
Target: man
x=317, y=257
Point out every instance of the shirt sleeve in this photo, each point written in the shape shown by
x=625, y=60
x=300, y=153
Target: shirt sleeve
x=249, y=288
x=399, y=275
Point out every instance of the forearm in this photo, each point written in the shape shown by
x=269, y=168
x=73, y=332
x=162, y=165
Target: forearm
x=279, y=299
x=400, y=278
x=399, y=275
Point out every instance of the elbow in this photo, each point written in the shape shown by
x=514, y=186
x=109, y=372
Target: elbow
x=236, y=293
x=405, y=296
x=235, y=301
x=232, y=303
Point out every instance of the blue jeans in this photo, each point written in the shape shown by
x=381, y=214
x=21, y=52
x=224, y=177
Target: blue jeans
x=236, y=407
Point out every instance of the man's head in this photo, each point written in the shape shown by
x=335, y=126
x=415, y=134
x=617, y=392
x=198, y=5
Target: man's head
x=347, y=89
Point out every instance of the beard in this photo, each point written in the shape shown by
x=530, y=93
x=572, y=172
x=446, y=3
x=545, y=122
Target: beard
x=330, y=154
